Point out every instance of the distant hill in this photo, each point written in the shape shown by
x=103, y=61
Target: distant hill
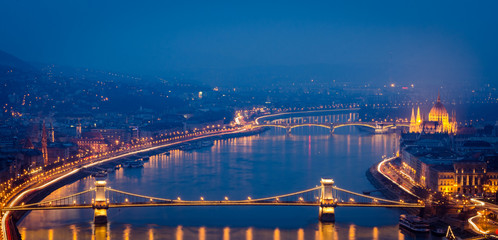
x=8, y=60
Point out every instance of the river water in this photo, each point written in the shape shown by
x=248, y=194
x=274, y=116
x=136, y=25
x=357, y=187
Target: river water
x=268, y=164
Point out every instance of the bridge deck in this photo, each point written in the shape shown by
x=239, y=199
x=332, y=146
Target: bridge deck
x=209, y=203
x=385, y=125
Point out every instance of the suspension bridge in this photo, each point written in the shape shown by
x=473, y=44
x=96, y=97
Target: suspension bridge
x=326, y=197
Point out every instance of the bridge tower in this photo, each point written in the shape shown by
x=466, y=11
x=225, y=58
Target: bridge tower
x=327, y=202
x=100, y=205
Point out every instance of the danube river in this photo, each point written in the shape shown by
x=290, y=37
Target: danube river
x=268, y=164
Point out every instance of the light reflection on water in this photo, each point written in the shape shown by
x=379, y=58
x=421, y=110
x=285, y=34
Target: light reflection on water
x=257, y=166
x=321, y=231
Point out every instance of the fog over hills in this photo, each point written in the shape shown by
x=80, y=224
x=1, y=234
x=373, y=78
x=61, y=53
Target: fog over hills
x=375, y=74
x=8, y=60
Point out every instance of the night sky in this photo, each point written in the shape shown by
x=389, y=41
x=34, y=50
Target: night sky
x=408, y=41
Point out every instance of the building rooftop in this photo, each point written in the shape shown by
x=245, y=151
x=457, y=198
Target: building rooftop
x=477, y=144
x=434, y=155
x=61, y=145
x=92, y=135
x=444, y=168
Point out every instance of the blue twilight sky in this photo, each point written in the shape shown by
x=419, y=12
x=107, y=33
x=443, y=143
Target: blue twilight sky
x=413, y=41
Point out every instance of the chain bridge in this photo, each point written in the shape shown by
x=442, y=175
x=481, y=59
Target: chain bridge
x=326, y=197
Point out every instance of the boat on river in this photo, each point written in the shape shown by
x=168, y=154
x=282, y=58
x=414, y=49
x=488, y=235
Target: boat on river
x=196, y=145
x=438, y=231
x=207, y=144
x=133, y=164
x=100, y=174
x=413, y=223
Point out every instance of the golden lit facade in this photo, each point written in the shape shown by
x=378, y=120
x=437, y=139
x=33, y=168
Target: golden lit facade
x=470, y=177
x=446, y=182
x=441, y=171
x=491, y=185
x=438, y=120
x=461, y=177
x=415, y=123
x=93, y=142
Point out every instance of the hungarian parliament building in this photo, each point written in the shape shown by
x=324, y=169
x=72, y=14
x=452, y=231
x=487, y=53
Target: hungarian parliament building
x=440, y=160
x=438, y=120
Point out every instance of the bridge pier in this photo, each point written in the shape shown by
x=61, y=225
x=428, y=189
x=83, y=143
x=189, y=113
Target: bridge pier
x=289, y=129
x=327, y=202
x=100, y=204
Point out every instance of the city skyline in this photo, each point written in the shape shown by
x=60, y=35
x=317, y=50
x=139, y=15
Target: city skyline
x=224, y=42
x=242, y=121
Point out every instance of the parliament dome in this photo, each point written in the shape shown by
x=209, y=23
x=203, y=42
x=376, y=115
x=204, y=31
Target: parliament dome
x=438, y=111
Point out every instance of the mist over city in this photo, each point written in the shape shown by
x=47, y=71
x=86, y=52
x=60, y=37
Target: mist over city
x=256, y=120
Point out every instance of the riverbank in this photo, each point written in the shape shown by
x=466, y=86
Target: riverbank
x=387, y=187
x=432, y=214
x=37, y=195
x=389, y=190
x=380, y=183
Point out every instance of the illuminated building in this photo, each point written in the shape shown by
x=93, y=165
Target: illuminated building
x=446, y=179
x=114, y=134
x=60, y=150
x=20, y=158
x=437, y=122
x=423, y=164
x=470, y=176
x=442, y=170
x=93, y=142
